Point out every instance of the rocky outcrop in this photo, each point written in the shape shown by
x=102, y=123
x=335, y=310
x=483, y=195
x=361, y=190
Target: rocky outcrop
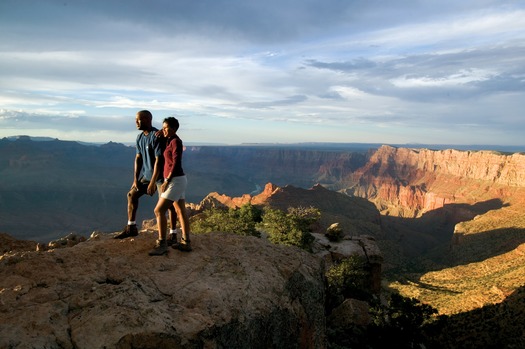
x=239, y=293
x=355, y=216
x=230, y=292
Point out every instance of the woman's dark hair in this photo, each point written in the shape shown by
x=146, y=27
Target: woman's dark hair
x=172, y=123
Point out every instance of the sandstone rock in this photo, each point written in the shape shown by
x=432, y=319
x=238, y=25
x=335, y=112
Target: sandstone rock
x=409, y=182
x=67, y=241
x=230, y=292
x=334, y=232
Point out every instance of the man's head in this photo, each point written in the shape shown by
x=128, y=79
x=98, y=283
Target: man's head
x=143, y=120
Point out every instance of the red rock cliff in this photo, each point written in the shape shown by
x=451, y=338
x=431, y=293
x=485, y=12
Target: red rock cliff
x=410, y=182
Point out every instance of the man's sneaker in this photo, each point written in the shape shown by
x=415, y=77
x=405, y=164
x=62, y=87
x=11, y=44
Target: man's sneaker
x=128, y=231
x=161, y=248
x=184, y=245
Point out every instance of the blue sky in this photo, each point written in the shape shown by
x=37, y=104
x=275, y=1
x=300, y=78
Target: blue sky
x=286, y=71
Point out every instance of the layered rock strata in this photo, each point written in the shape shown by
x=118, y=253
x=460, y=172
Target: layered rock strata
x=409, y=182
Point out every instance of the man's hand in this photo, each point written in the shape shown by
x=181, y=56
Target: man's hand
x=152, y=188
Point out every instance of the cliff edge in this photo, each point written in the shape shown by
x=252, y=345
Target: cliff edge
x=230, y=292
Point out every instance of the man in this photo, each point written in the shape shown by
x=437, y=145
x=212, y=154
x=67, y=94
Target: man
x=147, y=171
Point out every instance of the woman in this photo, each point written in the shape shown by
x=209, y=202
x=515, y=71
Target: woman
x=173, y=190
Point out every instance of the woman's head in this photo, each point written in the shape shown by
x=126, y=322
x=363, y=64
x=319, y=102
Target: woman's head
x=170, y=126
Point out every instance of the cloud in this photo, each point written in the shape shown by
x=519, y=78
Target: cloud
x=84, y=65
x=70, y=121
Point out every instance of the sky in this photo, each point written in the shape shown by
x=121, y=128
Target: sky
x=272, y=71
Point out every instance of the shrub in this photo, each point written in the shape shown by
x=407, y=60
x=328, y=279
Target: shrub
x=397, y=323
x=241, y=221
x=347, y=279
x=291, y=228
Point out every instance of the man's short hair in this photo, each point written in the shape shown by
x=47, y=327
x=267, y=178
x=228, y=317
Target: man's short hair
x=145, y=114
x=172, y=123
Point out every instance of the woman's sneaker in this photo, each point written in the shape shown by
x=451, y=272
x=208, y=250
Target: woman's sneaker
x=183, y=245
x=161, y=248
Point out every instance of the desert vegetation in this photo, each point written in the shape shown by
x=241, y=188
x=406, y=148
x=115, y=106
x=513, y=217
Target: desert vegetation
x=292, y=228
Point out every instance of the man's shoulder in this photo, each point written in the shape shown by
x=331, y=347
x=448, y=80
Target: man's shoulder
x=148, y=137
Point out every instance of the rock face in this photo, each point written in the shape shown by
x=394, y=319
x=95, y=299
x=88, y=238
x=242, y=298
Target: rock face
x=230, y=292
x=409, y=182
x=277, y=164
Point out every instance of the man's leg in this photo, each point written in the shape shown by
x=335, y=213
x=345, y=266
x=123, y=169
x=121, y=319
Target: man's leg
x=133, y=204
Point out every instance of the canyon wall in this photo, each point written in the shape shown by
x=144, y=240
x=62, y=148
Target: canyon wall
x=409, y=182
x=238, y=170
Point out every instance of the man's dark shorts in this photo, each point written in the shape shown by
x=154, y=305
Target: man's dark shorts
x=142, y=186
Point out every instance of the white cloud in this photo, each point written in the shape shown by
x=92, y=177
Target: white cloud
x=462, y=77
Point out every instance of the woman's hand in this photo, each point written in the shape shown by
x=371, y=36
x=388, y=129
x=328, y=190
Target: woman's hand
x=163, y=187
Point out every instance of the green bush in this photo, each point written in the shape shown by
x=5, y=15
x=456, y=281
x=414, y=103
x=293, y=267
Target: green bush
x=347, y=279
x=292, y=228
x=241, y=221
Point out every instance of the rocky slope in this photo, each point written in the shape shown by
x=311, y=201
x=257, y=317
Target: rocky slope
x=230, y=292
x=355, y=215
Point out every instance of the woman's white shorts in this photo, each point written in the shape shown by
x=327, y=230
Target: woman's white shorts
x=176, y=189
